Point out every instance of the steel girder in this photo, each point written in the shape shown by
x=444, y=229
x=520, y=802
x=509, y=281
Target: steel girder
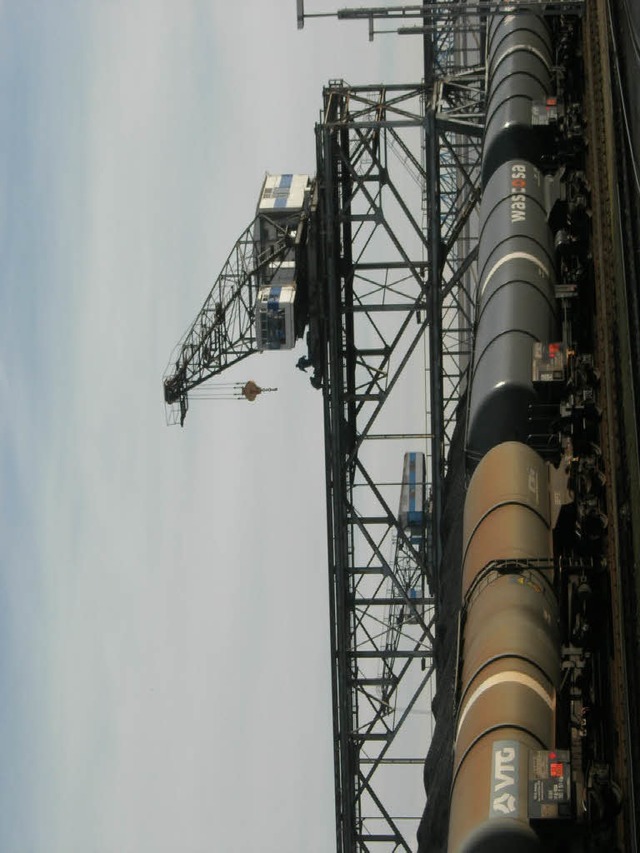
x=398, y=182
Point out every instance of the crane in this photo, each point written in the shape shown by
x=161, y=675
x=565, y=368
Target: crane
x=259, y=300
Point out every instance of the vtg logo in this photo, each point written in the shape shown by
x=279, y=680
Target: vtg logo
x=504, y=788
x=505, y=804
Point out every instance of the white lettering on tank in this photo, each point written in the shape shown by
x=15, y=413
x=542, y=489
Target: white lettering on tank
x=505, y=773
x=505, y=776
x=518, y=186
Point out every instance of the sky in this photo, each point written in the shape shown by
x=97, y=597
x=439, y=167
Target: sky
x=164, y=634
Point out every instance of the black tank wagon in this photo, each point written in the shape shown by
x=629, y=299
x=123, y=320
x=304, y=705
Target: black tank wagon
x=519, y=63
x=515, y=303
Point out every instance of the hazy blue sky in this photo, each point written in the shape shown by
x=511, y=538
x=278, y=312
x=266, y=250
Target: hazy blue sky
x=164, y=652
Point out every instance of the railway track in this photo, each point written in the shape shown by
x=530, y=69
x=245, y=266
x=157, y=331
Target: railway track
x=618, y=429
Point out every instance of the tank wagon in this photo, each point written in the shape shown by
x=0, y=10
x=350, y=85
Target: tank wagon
x=532, y=744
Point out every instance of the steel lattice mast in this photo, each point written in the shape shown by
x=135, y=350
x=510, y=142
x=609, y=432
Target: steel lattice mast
x=393, y=282
x=224, y=332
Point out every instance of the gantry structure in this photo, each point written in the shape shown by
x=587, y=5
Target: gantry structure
x=398, y=185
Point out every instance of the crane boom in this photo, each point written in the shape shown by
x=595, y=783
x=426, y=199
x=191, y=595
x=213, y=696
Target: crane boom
x=245, y=310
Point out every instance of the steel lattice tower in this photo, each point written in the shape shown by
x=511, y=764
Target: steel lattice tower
x=398, y=175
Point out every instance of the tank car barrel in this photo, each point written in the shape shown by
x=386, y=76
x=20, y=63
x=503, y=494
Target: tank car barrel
x=519, y=60
x=515, y=304
x=522, y=682
x=510, y=659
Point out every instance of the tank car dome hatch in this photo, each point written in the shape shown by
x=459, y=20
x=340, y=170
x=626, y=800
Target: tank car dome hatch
x=519, y=60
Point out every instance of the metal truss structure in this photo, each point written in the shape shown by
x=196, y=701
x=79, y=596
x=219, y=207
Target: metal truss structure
x=223, y=333
x=441, y=16
x=398, y=182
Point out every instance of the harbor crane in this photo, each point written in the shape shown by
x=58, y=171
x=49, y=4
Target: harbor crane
x=258, y=302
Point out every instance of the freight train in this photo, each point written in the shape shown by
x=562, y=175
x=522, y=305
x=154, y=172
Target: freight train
x=533, y=754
